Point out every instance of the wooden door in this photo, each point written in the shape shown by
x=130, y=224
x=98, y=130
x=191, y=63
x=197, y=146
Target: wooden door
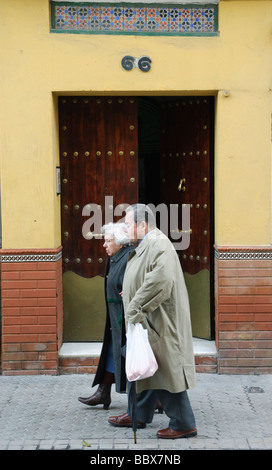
x=99, y=171
x=186, y=131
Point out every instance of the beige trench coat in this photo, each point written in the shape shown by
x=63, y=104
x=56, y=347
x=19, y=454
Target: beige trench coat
x=154, y=293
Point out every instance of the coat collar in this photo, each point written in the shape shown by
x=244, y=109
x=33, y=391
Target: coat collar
x=115, y=258
x=154, y=234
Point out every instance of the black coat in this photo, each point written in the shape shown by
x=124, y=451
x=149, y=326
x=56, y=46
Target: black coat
x=115, y=325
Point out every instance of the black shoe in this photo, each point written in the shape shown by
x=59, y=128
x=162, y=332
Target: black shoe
x=159, y=407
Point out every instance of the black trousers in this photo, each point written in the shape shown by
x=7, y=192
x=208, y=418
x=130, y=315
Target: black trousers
x=175, y=405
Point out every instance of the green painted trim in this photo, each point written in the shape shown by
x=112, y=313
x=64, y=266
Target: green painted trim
x=134, y=33
x=214, y=33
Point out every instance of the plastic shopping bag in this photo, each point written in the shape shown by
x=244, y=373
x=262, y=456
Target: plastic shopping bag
x=140, y=360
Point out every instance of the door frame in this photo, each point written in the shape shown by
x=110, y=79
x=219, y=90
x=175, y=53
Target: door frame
x=212, y=183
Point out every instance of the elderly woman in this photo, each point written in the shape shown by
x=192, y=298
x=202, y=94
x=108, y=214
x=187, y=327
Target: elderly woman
x=111, y=367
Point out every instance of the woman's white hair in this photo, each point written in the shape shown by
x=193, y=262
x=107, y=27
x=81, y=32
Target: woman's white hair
x=117, y=231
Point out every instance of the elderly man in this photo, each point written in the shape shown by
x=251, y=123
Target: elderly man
x=154, y=293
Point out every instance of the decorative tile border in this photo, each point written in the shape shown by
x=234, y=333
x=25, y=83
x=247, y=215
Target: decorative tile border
x=127, y=18
x=13, y=256
x=243, y=254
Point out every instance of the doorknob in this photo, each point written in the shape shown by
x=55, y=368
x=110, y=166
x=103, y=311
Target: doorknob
x=181, y=186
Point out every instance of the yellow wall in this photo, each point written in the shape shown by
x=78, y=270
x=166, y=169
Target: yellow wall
x=37, y=65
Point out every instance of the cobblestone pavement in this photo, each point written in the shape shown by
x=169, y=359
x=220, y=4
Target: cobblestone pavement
x=43, y=413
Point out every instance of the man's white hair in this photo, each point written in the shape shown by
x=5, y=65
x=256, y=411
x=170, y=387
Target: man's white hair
x=117, y=231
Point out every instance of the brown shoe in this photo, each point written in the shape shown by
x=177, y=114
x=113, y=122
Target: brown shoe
x=169, y=433
x=101, y=397
x=124, y=421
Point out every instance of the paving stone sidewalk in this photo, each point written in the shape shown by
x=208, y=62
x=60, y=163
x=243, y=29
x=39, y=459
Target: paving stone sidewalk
x=43, y=413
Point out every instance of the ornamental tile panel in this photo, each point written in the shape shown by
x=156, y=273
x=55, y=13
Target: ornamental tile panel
x=133, y=19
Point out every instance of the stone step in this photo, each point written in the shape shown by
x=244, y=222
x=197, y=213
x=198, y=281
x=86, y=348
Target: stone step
x=84, y=357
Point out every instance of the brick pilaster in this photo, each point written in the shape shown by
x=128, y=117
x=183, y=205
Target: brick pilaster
x=31, y=296
x=243, y=299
